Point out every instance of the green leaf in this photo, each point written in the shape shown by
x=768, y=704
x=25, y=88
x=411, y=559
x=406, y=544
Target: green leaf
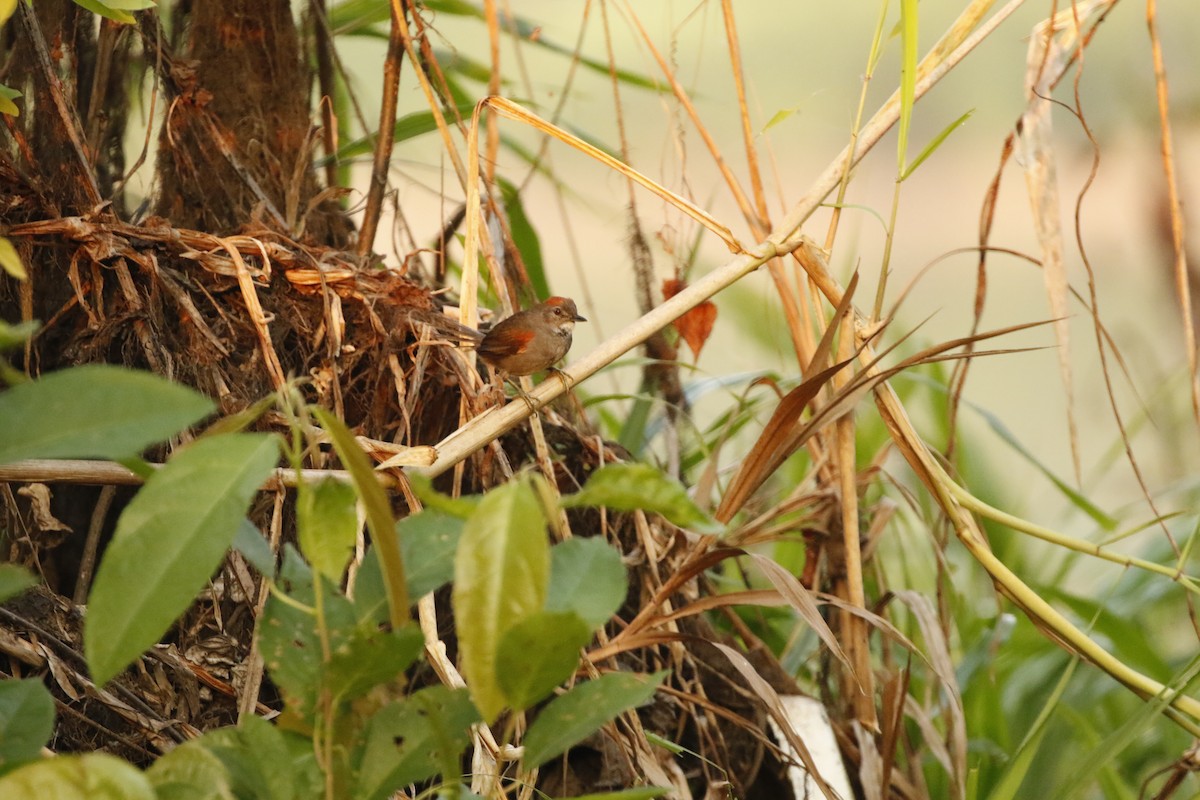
x=13, y=335
x=168, y=542
x=190, y=772
x=288, y=636
x=10, y=259
x=625, y=487
x=97, y=7
x=433, y=500
x=587, y=577
x=327, y=525
x=370, y=658
x=779, y=116
x=26, y=721
x=929, y=149
x=351, y=16
x=379, y=513
x=908, y=78
x=572, y=717
x=640, y=793
x=1017, y=768
x=427, y=542
x=130, y=5
x=254, y=548
x=525, y=238
x=537, y=654
x=415, y=739
x=14, y=580
x=410, y=126
x=7, y=7
x=94, y=411
x=500, y=576
x=95, y=776
x=7, y=96
x=264, y=762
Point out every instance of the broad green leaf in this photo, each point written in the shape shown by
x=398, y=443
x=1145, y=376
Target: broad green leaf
x=500, y=576
x=14, y=580
x=169, y=540
x=97, y=7
x=130, y=5
x=13, y=335
x=327, y=525
x=362, y=655
x=7, y=96
x=539, y=653
x=290, y=645
x=587, y=577
x=428, y=541
x=625, y=487
x=370, y=658
x=10, y=259
x=261, y=763
x=190, y=772
x=572, y=717
x=433, y=500
x=94, y=776
x=639, y=793
x=26, y=721
x=254, y=548
x=379, y=513
x=94, y=411
x=415, y=739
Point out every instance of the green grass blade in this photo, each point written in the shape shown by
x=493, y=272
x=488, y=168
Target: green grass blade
x=908, y=78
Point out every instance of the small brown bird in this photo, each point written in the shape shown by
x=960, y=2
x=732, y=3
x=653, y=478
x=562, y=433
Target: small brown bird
x=532, y=340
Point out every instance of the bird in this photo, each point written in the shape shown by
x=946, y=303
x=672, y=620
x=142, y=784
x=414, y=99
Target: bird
x=532, y=340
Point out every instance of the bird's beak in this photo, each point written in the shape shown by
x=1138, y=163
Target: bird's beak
x=579, y=318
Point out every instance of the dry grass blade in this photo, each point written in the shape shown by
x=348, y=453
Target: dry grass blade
x=686, y=572
x=773, y=445
x=937, y=649
x=507, y=108
x=780, y=437
x=769, y=451
x=803, y=602
x=1051, y=52
x=731, y=181
x=257, y=317
x=775, y=708
x=1182, y=275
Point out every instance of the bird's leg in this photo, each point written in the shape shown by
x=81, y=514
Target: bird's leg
x=516, y=382
x=568, y=384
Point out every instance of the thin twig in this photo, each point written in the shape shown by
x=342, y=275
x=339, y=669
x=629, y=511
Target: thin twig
x=1182, y=278
x=78, y=471
x=326, y=83
x=87, y=564
x=385, y=137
